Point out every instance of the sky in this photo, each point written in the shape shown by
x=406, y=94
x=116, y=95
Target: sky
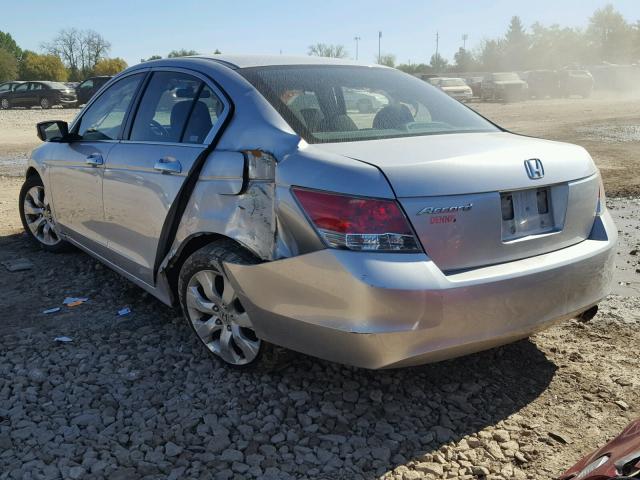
x=141, y=28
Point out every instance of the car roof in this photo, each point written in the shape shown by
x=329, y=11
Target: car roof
x=247, y=61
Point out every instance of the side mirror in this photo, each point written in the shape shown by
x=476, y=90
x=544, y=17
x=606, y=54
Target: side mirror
x=53, y=131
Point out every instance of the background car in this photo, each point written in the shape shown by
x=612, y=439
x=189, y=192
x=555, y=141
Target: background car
x=542, y=83
x=43, y=94
x=506, y=86
x=89, y=87
x=363, y=101
x=618, y=459
x=456, y=88
x=575, y=82
x=475, y=83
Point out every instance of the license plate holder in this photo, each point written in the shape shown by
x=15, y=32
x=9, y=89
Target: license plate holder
x=526, y=213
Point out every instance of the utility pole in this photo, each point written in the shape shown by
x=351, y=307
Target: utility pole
x=379, y=40
x=357, y=39
x=437, y=43
x=465, y=37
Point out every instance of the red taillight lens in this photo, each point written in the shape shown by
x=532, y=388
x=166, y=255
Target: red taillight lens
x=357, y=223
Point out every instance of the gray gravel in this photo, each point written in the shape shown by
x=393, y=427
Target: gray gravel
x=137, y=397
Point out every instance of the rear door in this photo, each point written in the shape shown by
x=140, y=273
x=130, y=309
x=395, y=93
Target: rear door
x=19, y=95
x=76, y=169
x=175, y=121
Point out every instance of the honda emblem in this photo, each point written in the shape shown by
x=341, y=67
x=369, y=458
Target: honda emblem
x=534, y=168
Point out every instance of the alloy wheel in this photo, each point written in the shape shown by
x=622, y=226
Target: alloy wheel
x=44, y=103
x=37, y=213
x=219, y=319
x=4, y=103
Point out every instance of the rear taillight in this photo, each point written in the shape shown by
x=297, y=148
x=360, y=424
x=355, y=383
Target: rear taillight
x=358, y=223
x=601, y=206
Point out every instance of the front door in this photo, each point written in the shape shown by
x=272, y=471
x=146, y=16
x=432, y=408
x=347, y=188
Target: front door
x=145, y=172
x=76, y=168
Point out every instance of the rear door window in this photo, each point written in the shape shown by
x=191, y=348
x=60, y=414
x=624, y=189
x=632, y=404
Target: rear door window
x=175, y=108
x=165, y=107
x=204, y=116
x=104, y=118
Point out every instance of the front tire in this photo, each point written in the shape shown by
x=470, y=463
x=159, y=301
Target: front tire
x=212, y=307
x=36, y=216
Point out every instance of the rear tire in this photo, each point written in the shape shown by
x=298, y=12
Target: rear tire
x=45, y=104
x=5, y=104
x=212, y=307
x=36, y=216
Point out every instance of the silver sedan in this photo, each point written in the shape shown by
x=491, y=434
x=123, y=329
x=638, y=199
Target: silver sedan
x=254, y=192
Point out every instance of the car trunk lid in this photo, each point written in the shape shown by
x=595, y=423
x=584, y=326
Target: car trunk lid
x=471, y=200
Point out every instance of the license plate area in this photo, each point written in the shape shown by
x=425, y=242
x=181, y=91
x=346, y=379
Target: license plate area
x=526, y=213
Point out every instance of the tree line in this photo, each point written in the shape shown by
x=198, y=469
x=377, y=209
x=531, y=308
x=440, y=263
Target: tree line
x=608, y=38
x=72, y=55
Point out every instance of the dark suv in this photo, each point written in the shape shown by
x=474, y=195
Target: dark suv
x=89, y=87
x=43, y=94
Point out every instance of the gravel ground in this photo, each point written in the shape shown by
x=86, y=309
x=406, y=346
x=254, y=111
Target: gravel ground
x=137, y=397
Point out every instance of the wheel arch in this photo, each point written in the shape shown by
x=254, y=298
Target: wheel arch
x=190, y=245
x=32, y=172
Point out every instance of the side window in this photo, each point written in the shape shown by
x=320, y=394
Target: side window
x=204, y=116
x=22, y=87
x=5, y=88
x=87, y=84
x=104, y=118
x=165, y=107
x=35, y=86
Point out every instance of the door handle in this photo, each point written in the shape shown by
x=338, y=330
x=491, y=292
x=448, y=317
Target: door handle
x=168, y=165
x=94, y=159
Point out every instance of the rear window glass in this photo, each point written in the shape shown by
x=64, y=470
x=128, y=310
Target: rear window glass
x=326, y=104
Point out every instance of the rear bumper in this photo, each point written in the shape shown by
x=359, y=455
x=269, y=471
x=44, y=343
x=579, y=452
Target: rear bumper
x=392, y=310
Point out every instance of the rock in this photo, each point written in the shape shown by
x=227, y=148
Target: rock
x=232, y=455
x=558, y=437
x=76, y=472
x=501, y=436
x=622, y=404
x=443, y=435
x=431, y=468
x=172, y=450
x=412, y=475
x=87, y=419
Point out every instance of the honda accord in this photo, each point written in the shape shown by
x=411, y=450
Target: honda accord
x=243, y=189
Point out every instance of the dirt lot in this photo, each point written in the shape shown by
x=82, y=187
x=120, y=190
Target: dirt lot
x=136, y=397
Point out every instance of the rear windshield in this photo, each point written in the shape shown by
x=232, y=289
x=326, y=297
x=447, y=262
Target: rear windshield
x=452, y=82
x=56, y=85
x=326, y=104
x=506, y=77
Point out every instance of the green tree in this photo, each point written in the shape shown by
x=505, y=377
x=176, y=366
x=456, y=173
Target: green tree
x=42, y=67
x=327, y=50
x=464, y=61
x=491, y=55
x=8, y=66
x=8, y=44
x=610, y=36
x=109, y=66
x=413, y=68
x=438, y=63
x=217, y=52
x=152, y=57
x=181, y=53
x=516, y=46
x=387, y=59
